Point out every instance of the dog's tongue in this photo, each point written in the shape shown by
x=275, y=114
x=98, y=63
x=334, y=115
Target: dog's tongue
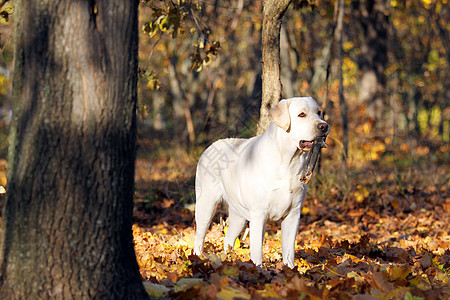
x=306, y=144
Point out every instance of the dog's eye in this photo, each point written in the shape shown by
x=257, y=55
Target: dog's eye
x=301, y=115
x=319, y=113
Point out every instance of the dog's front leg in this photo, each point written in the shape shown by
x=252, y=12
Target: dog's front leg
x=257, y=229
x=289, y=228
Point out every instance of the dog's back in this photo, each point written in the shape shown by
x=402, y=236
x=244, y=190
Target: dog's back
x=219, y=157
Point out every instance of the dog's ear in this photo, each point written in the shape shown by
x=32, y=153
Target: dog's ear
x=279, y=114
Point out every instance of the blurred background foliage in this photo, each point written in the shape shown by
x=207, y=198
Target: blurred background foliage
x=200, y=77
x=203, y=82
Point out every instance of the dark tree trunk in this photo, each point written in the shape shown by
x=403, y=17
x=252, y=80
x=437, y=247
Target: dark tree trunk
x=342, y=102
x=273, y=11
x=66, y=230
x=373, y=16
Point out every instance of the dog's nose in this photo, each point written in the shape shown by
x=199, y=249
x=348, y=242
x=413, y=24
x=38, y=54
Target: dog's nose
x=323, y=127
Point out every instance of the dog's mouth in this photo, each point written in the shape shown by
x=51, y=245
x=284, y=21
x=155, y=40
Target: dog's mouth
x=305, y=145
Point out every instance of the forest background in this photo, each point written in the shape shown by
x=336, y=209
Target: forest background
x=379, y=204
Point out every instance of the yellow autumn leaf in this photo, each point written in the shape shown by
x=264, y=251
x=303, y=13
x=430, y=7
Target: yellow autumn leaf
x=163, y=23
x=190, y=207
x=231, y=271
x=358, y=197
x=427, y=240
x=361, y=193
x=399, y=272
x=231, y=293
x=187, y=240
x=305, y=210
x=153, y=83
x=242, y=252
x=186, y=283
x=268, y=292
x=352, y=258
x=367, y=127
x=355, y=276
x=442, y=277
x=302, y=265
x=426, y=3
x=237, y=243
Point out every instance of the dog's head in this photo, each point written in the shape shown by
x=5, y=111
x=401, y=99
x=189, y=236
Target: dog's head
x=302, y=118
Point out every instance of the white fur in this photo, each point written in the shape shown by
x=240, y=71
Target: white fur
x=259, y=179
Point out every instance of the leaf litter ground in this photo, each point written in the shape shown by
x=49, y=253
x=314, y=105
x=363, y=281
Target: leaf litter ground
x=383, y=236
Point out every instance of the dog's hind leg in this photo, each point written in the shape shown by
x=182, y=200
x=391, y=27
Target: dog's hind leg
x=205, y=209
x=235, y=225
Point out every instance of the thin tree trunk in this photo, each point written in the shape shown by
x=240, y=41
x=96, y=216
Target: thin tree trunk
x=327, y=104
x=158, y=106
x=321, y=65
x=342, y=102
x=66, y=226
x=287, y=75
x=273, y=11
x=177, y=94
x=189, y=122
x=183, y=94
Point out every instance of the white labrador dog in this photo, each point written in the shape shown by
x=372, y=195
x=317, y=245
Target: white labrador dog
x=259, y=178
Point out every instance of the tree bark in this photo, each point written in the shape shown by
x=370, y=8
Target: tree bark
x=287, y=75
x=66, y=230
x=342, y=102
x=273, y=11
